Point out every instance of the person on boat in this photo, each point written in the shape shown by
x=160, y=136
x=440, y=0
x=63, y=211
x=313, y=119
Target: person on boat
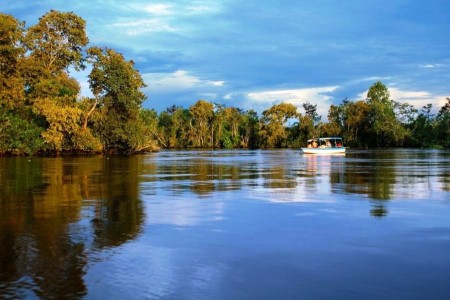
x=328, y=144
x=314, y=144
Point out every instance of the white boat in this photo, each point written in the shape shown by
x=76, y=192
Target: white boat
x=327, y=145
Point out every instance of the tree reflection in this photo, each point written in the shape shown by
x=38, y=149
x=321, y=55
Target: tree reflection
x=378, y=210
x=41, y=203
x=119, y=215
x=372, y=174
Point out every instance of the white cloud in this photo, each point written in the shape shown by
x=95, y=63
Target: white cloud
x=136, y=27
x=208, y=8
x=178, y=80
x=217, y=83
x=162, y=17
x=178, y=9
x=375, y=78
x=430, y=66
x=228, y=96
x=297, y=97
x=158, y=9
x=294, y=96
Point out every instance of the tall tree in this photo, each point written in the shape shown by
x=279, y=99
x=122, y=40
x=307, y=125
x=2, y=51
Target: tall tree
x=386, y=128
x=117, y=86
x=442, y=127
x=233, y=117
x=202, y=113
x=54, y=45
x=56, y=42
x=249, y=130
x=273, y=124
x=311, y=112
x=11, y=53
x=356, y=123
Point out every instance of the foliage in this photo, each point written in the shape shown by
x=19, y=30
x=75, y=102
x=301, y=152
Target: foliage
x=57, y=40
x=19, y=134
x=273, y=131
x=442, y=127
x=116, y=85
x=385, y=128
x=201, y=119
x=41, y=109
x=11, y=52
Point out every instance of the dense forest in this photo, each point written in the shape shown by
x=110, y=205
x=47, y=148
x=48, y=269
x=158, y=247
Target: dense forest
x=42, y=112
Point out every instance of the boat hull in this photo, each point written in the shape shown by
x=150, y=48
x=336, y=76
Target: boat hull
x=339, y=150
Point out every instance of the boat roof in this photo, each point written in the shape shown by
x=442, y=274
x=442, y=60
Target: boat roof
x=326, y=138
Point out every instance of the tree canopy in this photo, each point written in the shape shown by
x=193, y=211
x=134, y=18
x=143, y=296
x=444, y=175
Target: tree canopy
x=41, y=110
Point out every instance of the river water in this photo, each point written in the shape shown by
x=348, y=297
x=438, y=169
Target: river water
x=272, y=224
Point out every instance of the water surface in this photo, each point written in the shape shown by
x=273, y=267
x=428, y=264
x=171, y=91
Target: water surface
x=227, y=225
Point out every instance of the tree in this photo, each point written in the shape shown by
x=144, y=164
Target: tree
x=405, y=113
x=56, y=42
x=249, y=128
x=202, y=114
x=382, y=120
x=116, y=85
x=53, y=46
x=426, y=109
x=233, y=117
x=356, y=123
x=11, y=50
x=174, y=127
x=273, y=131
x=442, y=128
x=19, y=135
x=311, y=112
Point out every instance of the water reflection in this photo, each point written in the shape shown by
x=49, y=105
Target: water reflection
x=44, y=233
x=59, y=216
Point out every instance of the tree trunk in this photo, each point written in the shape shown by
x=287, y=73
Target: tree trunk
x=86, y=118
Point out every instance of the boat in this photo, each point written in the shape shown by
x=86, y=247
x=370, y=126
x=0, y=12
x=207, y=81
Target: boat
x=324, y=145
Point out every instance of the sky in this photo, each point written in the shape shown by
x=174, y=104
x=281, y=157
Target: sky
x=255, y=54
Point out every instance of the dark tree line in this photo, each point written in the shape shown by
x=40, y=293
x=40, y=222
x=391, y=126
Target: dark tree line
x=41, y=110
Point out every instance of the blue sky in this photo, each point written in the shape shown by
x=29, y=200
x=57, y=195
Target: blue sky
x=253, y=54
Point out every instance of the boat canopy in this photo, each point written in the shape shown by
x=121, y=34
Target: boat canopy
x=328, y=142
x=325, y=139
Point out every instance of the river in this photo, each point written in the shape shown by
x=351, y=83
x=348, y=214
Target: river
x=263, y=224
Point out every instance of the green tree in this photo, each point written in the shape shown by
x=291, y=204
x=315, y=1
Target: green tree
x=382, y=120
x=311, y=112
x=201, y=131
x=442, y=128
x=221, y=135
x=233, y=117
x=273, y=131
x=19, y=135
x=356, y=123
x=336, y=119
x=117, y=86
x=249, y=130
x=57, y=41
x=173, y=124
x=54, y=44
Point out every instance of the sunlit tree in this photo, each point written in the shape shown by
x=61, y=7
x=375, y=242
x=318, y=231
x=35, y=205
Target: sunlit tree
x=201, y=131
x=117, y=86
x=273, y=131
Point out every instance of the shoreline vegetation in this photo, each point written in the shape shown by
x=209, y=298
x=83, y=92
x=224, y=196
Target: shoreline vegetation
x=42, y=112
